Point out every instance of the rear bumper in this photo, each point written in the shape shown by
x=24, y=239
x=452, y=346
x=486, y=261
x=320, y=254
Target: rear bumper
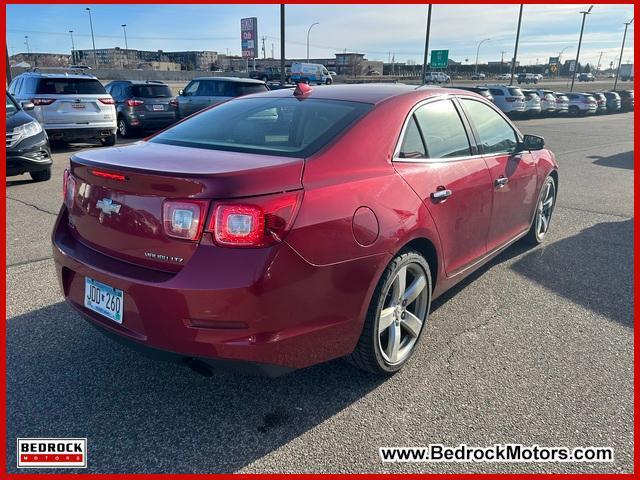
x=151, y=121
x=83, y=133
x=261, y=306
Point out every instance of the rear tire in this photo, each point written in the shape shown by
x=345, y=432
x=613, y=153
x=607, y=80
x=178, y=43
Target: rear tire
x=109, y=141
x=41, y=176
x=544, y=210
x=124, y=130
x=574, y=111
x=403, y=308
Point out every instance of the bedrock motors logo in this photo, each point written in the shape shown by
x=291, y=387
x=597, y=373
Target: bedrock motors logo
x=52, y=453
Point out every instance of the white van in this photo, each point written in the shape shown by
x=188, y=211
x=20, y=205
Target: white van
x=310, y=73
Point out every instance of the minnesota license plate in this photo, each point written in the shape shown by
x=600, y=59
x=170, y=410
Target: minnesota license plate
x=158, y=107
x=103, y=299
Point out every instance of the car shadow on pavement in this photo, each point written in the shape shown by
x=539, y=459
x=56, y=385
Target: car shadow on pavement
x=140, y=415
x=590, y=269
x=618, y=160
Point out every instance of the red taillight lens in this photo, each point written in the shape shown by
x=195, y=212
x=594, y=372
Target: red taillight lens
x=133, y=103
x=256, y=222
x=174, y=102
x=184, y=218
x=43, y=101
x=107, y=101
x=68, y=188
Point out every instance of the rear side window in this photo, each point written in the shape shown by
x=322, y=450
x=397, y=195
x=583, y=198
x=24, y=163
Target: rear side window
x=247, y=89
x=150, y=91
x=496, y=92
x=496, y=135
x=412, y=145
x=273, y=126
x=442, y=130
x=70, y=86
x=515, y=91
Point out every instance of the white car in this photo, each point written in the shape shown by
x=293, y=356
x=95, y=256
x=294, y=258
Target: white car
x=507, y=98
x=69, y=107
x=582, y=104
x=548, y=101
x=504, y=76
x=436, y=77
x=532, y=104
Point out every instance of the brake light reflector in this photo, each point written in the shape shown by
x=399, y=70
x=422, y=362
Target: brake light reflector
x=133, y=103
x=42, y=101
x=68, y=188
x=107, y=101
x=256, y=222
x=110, y=176
x=174, y=102
x=184, y=218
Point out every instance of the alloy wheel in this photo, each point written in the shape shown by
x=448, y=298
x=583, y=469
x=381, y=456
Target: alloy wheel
x=545, y=208
x=122, y=127
x=403, y=313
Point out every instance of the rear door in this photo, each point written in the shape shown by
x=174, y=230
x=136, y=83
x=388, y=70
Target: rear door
x=440, y=163
x=513, y=174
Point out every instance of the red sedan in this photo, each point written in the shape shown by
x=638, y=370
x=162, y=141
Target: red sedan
x=285, y=229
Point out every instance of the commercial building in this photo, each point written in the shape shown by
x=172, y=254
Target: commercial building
x=129, y=58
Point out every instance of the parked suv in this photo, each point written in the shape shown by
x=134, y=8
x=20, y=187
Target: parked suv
x=204, y=92
x=508, y=99
x=268, y=74
x=436, y=77
x=527, y=78
x=627, y=99
x=562, y=102
x=532, y=104
x=26, y=142
x=582, y=103
x=601, y=100
x=586, y=77
x=614, y=103
x=68, y=106
x=142, y=105
x=548, y=102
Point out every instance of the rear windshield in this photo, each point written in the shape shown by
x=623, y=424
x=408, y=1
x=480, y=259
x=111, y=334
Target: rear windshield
x=70, y=86
x=151, y=91
x=516, y=92
x=272, y=126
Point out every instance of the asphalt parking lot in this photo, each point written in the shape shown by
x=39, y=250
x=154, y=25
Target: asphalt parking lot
x=535, y=348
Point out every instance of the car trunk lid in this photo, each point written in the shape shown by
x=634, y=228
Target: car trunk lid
x=119, y=195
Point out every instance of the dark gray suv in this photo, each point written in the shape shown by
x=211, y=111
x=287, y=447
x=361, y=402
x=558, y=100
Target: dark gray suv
x=142, y=105
x=204, y=92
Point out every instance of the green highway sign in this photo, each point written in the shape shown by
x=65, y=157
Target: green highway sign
x=439, y=59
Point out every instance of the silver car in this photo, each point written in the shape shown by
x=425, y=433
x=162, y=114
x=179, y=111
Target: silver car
x=204, y=92
x=548, y=101
x=69, y=107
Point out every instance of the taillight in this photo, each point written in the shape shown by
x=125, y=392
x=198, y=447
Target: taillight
x=511, y=99
x=174, y=102
x=42, y=101
x=107, y=100
x=256, y=222
x=133, y=103
x=184, y=218
x=68, y=188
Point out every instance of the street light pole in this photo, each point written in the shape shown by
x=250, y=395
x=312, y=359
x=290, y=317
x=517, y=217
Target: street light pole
x=573, y=74
x=126, y=45
x=282, y=67
x=26, y=42
x=426, y=45
x=624, y=38
x=515, y=49
x=308, y=32
x=478, y=52
x=73, y=48
x=93, y=41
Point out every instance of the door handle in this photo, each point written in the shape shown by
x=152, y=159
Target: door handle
x=501, y=182
x=441, y=194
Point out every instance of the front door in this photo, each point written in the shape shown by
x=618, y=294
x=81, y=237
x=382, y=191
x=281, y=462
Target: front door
x=513, y=173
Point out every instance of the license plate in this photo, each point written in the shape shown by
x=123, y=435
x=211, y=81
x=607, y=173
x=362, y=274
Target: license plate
x=158, y=107
x=103, y=299
x=77, y=105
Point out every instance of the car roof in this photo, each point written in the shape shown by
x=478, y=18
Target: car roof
x=58, y=75
x=231, y=79
x=365, y=93
x=140, y=82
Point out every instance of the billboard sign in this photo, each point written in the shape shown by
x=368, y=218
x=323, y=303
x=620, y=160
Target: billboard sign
x=249, y=36
x=439, y=59
x=554, y=60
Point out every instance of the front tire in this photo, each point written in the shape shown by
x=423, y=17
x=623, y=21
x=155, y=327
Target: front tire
x=544, y=210
x=328, y=81
x=396, y=317
x=41, y=176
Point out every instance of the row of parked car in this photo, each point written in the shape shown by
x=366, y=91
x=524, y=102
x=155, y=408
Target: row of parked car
x=514, y=100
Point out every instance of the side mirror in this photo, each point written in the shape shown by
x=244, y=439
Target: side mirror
x=27, y=105
x=181, y=91
x=531, y=142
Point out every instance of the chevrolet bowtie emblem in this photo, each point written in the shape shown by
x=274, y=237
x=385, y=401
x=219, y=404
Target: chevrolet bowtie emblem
x=107, y=206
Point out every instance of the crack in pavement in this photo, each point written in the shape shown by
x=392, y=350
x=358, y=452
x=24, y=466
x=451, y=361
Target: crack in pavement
x=28, y=262
x=32, y=205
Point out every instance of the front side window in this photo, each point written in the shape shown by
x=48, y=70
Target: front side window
x=273, y=126
x=496, y=135
x=192, y=88
x=70, y=86
x=11, y=106
x=442, y=130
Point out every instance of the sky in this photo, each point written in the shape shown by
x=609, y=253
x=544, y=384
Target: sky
x=380, y=31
